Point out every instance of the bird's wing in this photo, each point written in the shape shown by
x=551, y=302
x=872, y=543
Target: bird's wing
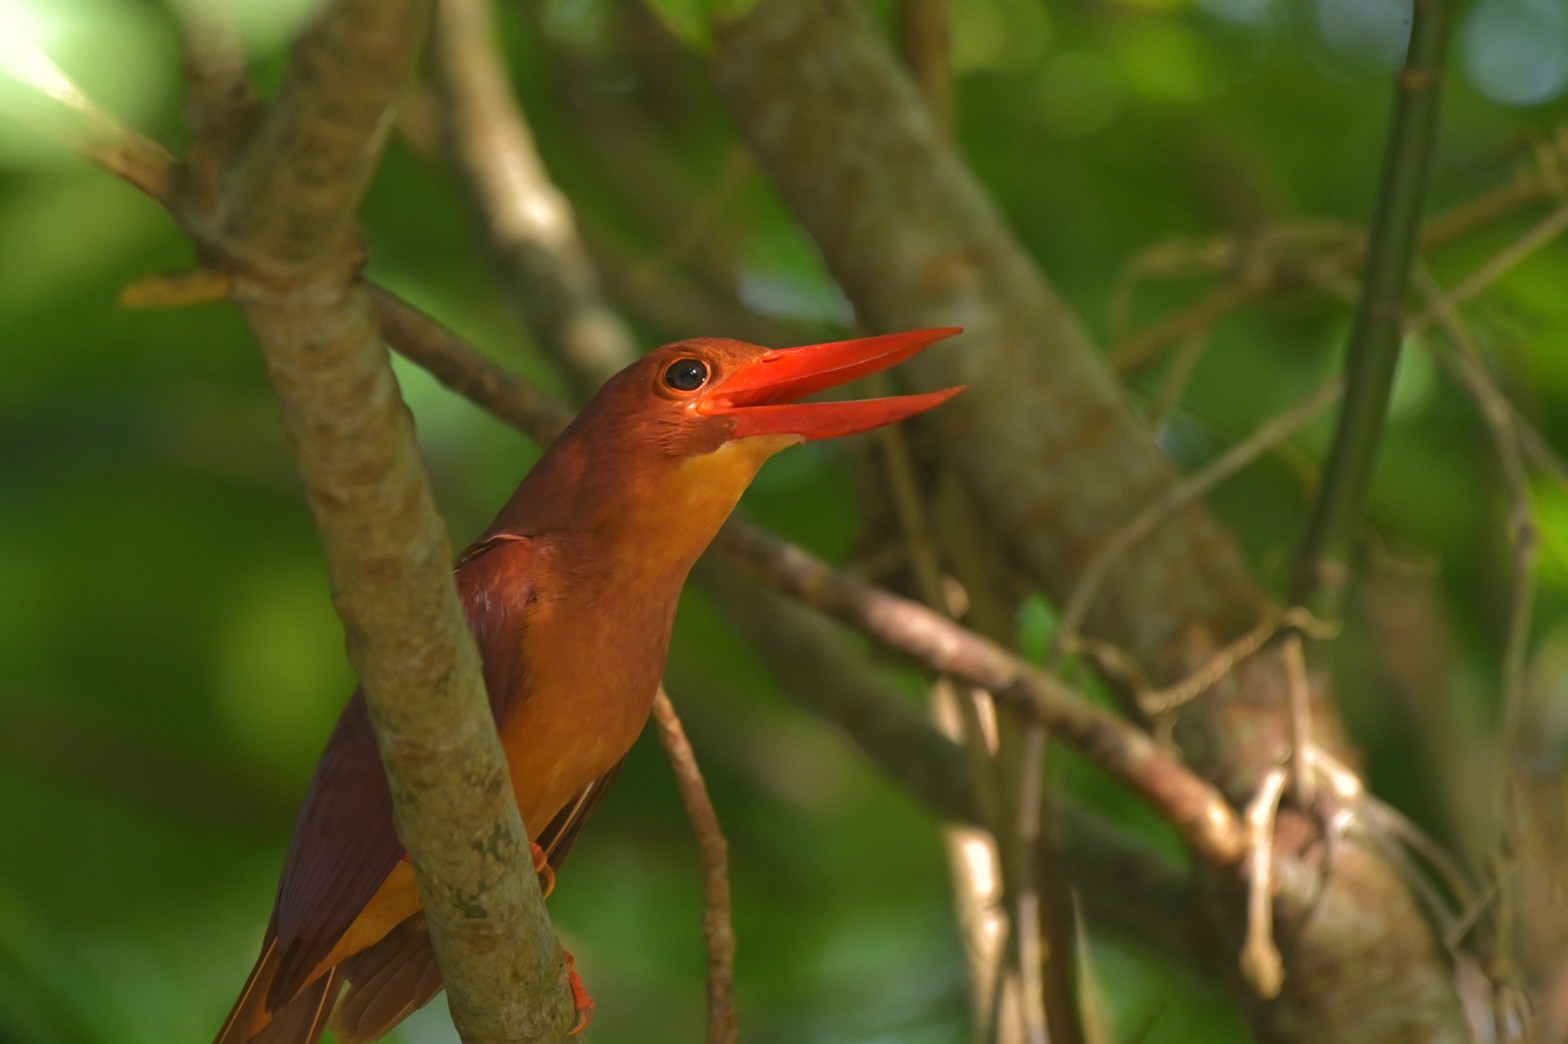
x=344, y=845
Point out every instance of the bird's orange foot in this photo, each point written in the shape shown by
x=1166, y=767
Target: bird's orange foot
x=543, y=868
x=581, y=1001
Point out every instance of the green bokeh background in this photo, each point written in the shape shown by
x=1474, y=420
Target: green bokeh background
x=170, y=663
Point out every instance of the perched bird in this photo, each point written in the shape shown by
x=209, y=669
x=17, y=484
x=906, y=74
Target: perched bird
x=571, y=596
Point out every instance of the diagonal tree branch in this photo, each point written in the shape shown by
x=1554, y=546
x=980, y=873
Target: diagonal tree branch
x=276, y=213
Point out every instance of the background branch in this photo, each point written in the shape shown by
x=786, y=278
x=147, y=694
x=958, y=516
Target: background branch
x=528, y=222
x=1541, y=180
x=1324, y=569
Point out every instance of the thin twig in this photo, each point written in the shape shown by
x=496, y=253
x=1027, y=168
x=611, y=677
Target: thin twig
x=1299, y=693
x=1190, y=489
x=81, y=125
x=904, y=491
x=1323, y=566
x=1260, y=960
x=824, y=670
x=1173, y=383
x=1534, y=446
x=1153, y=702
x=1543, y=181
x=1497, y=414
x=1538, y=235
x=1257, y=259
x=1391, y=829
x=716, y=924
x=1173, y=697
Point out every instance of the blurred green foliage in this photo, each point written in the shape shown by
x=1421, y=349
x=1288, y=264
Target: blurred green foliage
x=169, y=660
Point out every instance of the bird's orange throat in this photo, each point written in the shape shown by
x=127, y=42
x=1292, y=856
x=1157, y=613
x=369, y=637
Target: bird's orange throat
x=625, y=575
x=694, y=502
x=662, y=520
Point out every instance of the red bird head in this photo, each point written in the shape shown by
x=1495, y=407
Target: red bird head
x=673, y=440
x=692, y=397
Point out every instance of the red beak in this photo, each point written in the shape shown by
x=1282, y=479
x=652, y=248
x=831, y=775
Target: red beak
x=761, y=397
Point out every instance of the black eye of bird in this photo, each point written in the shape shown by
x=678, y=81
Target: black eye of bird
x=686, y=374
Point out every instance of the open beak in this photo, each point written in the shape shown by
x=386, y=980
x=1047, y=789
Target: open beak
x=762, y=396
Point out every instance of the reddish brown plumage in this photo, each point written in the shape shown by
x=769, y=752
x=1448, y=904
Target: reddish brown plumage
x=571, y=597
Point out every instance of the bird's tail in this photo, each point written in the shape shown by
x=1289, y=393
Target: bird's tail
x=301, y=1021
x=385, y=983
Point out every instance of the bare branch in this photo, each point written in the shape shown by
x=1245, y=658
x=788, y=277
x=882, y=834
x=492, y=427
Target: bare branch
x=81, y=125
x=1189, y=490
x=293, y=190
x=1518, y=718
x=1198, y=813
x=1323, y=565
x=462, y=369
x=285, y=221
x=528, y=221
x=1543, y=180
x=832, y=679
x=218, y=88
x=1260, y=960
x=1127, y=890
x=720, y=933
x=285, y=225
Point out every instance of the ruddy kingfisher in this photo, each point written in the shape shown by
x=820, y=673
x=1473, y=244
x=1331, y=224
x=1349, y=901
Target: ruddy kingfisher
x=570, y=595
